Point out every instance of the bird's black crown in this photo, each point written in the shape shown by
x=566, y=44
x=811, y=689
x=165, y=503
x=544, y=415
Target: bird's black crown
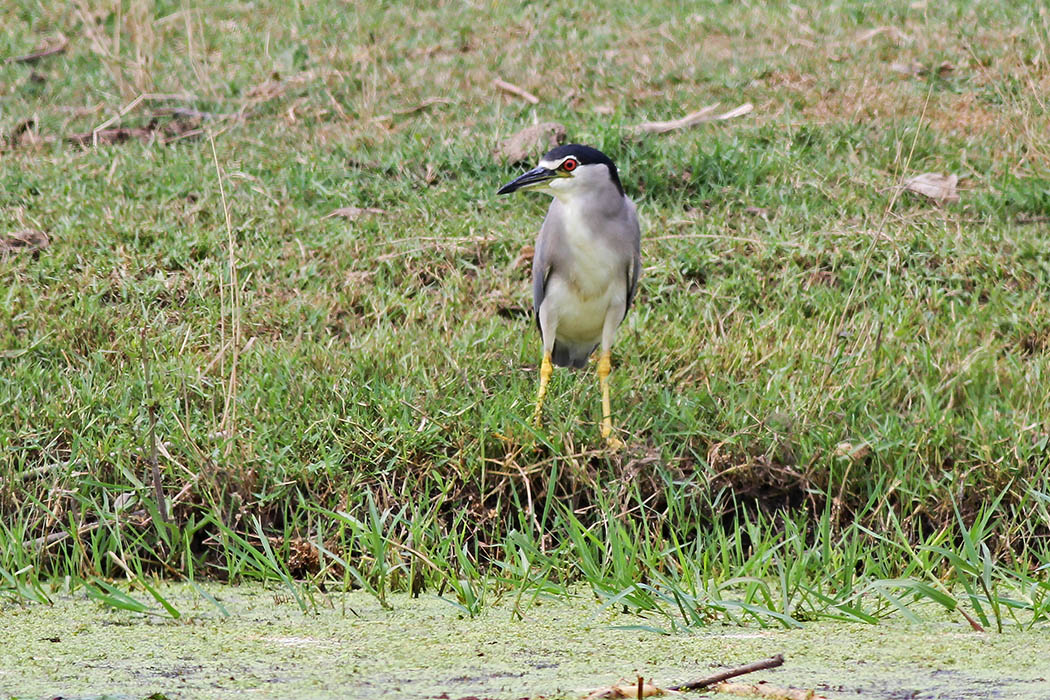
x=586, y=156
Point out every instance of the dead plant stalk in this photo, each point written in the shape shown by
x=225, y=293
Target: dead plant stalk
x=229, y=411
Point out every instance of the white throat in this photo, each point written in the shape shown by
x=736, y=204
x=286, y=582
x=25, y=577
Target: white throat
x=587, y=182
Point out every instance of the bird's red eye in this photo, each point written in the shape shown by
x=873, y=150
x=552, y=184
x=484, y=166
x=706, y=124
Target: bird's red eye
x=569, y=165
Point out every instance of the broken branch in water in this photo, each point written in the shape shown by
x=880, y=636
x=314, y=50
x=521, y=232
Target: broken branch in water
x=771, y=662
x=715, y=682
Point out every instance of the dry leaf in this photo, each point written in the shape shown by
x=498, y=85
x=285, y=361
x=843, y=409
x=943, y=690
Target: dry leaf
x=916, y=68
x=355, y=213
x=25, y=241
x=855, y=453
x=698, y=117
x=525, y=256
x=623, y=689
x=935, y=186
x=895, y=34
x=24, y=134
x=913, y=68
x=541, y=137
x=178, y=127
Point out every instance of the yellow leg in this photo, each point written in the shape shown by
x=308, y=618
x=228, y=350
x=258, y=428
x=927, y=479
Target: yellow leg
x=546, y=370
x=604, y=367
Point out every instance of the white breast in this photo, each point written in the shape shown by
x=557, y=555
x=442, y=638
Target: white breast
x=594, y=266
x=596, y=282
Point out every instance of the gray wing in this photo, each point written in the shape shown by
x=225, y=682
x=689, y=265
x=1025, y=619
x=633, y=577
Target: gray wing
x=634, y=269
x=541, y=257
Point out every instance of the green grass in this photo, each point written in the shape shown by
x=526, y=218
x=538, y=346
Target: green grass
x=832, y=392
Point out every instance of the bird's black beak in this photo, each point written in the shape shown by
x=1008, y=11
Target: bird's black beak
x=536, y=176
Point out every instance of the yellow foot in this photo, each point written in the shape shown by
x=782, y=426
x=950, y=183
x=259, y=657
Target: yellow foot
x=604, y=367
x=546, y=370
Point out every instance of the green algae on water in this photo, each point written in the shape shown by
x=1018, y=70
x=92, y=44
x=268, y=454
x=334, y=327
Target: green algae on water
x=423, y=647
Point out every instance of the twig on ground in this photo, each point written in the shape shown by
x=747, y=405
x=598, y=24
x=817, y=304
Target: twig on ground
x=354, y=213
x=711, y=236
x=895, y=34
x=698, y=117
x=45, y=50
x=54, y=537
x=178, y=127
x=428, y=102
x=186, y=113
x=36, y=472
x=771, y=662
x=26, y=241
x=143, y=97
x=515, y=90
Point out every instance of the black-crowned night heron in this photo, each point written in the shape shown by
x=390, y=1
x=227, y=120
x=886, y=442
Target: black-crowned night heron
x=586, y=263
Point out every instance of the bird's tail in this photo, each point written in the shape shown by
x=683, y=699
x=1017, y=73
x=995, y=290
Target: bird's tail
x=571, y=355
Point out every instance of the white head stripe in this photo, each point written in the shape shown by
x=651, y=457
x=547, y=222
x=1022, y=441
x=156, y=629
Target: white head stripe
x=555, y=164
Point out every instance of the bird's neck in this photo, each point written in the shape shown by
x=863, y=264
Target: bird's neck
x=601, y=201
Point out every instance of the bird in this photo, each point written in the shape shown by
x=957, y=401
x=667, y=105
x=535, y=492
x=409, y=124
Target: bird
x=585, y=267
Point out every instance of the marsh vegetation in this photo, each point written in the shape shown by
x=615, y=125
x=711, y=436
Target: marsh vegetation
x=833, y=391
